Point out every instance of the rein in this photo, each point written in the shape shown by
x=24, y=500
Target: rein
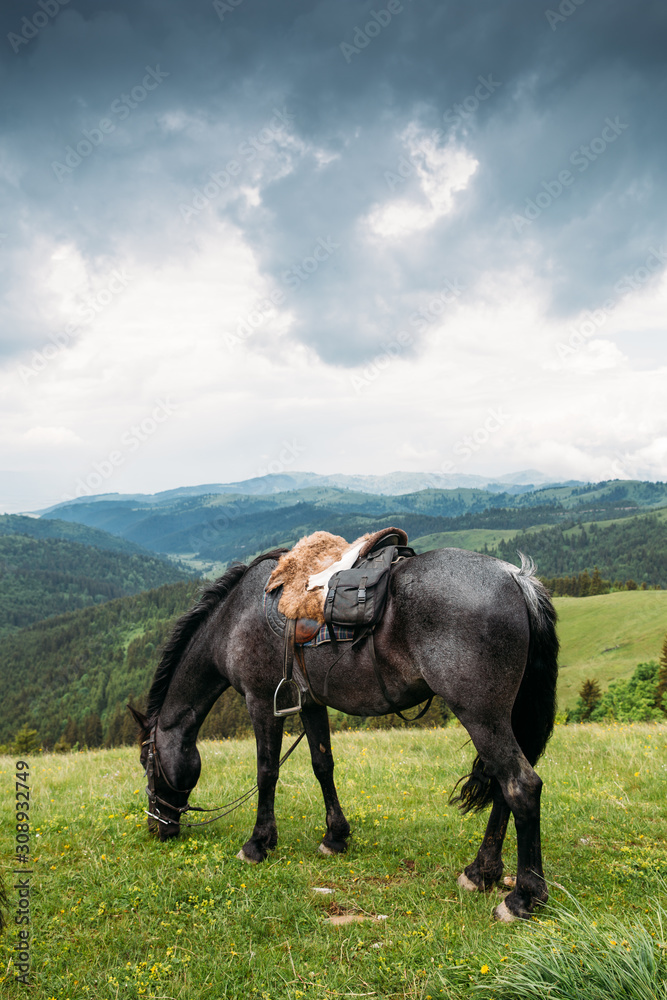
x=154, y=767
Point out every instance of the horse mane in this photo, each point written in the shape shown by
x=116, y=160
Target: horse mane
x=188, y=624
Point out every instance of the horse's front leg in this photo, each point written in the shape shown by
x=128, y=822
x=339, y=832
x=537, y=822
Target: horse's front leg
x=268, y=736
x=316, y=723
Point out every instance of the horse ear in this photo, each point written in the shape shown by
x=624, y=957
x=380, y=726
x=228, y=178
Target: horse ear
x=140, y=719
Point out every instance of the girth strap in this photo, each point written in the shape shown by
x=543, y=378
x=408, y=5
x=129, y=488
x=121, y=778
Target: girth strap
x=383, y=687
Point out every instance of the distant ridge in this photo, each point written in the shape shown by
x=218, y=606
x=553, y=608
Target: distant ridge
x=388, y=484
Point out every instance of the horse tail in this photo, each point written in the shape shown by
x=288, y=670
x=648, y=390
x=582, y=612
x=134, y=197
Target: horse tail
x=534, y=710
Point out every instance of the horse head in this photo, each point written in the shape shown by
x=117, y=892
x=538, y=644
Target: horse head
x=172, y=770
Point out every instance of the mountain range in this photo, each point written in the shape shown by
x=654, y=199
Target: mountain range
x=206, y=530
x=389, y=484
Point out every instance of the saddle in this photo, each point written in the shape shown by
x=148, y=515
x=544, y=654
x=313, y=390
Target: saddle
x=344, y=600
x=304, y=572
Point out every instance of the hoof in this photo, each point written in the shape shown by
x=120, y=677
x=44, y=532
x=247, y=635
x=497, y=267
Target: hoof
x=467, y=883
x=323, y=849
x=242, y=856
x=504, y=914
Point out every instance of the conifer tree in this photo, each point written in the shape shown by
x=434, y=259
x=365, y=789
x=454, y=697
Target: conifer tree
x=590, y=695
x=92, y=730
x=25, y=741
x=71, y=734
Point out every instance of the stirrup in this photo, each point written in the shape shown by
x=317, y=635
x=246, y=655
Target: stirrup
x=293, y=709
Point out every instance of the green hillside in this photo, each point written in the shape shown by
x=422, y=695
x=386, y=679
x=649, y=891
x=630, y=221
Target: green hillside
x=88, y=661
x=73, y=531
x=40, y=577
x=473, y=539
x=605, y=637
x=634, y=548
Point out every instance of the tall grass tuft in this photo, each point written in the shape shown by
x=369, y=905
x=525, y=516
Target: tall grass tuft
x=571, y=956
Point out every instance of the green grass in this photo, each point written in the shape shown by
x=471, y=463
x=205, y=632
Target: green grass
x=571, y=954
x=117, y=915
x=589, y=628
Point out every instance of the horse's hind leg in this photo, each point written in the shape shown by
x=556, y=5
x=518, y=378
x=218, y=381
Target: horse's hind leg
x=487, y=868
x=521, y=787
x=268, y=734
x=522, y=791
x=316, y=723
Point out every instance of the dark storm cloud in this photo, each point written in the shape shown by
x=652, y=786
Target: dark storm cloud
x=569, y=139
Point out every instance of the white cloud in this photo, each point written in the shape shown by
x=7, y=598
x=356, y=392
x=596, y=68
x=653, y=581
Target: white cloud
x=51, y=437
x=482, y=393
x=441, y=173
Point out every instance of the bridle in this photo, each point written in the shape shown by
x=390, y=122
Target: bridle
x=154, y=768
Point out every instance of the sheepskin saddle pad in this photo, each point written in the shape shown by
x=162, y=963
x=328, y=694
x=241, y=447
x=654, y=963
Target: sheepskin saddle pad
x=304, y=572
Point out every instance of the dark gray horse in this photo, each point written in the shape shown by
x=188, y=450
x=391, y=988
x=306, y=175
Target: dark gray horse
x=475, y=630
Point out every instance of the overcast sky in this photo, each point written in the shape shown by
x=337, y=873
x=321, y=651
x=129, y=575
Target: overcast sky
x=251, y=236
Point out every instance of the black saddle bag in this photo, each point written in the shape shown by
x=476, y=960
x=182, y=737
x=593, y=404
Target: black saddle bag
x=357, y=596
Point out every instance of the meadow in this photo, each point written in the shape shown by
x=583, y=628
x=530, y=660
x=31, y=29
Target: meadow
x=116, y=915
x=605, y=637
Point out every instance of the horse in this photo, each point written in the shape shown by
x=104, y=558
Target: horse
x=476, y=630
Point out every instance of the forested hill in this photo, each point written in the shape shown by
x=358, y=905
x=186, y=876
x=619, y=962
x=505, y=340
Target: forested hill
x=632, y=549
x=40, y=577
x=19, y=524
x=87, y=664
